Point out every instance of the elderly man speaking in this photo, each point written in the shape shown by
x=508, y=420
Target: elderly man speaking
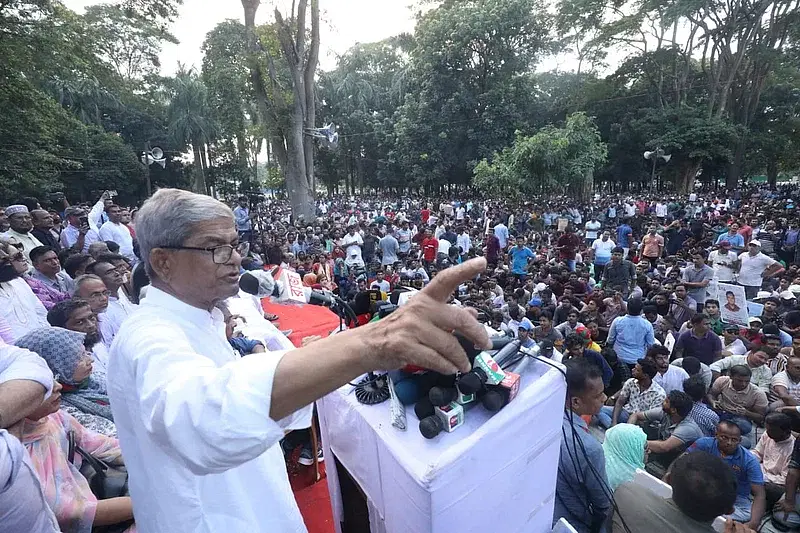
x=199, y=426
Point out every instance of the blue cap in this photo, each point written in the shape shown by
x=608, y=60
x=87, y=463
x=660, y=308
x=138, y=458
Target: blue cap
x=535, y=302
x=525, y=324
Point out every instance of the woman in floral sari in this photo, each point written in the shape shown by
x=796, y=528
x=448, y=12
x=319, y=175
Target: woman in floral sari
x=45, y=435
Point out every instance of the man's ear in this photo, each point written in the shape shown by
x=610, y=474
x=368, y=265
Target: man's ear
x=161, y=263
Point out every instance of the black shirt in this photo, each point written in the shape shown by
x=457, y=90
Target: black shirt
x=47, y=239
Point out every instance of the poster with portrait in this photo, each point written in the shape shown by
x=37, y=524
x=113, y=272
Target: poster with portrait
x=733, y=304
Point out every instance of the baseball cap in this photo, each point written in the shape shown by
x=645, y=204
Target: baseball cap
x=525, y=324
x=787, y=295
x=731, y=327
x=755, y=242
x=754, y=320
x=724, y=244
x=762, y=294
x=535, y=302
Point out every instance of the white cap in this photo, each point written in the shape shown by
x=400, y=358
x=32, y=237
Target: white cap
x=755, y=242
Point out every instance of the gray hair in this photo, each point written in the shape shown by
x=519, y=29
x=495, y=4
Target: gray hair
x=168, y=218
x=80, y=280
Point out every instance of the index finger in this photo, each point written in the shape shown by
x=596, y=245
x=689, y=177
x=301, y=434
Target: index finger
x=447, y=281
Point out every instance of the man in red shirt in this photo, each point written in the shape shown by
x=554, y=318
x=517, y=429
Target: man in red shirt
x=746, y=231
x=567, y=246
x=425, y=213
x=430, y=246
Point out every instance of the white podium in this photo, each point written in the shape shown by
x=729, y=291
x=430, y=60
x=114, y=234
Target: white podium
x=495, y=473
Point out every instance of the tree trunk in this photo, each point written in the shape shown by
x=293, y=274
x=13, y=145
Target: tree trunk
x=199, y=176
x=684, y=182
x=772, y=173
x=734, y=170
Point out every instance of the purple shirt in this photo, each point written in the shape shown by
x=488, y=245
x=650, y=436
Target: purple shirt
x=706, y=348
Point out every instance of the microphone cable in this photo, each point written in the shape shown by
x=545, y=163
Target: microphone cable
x=576, y=439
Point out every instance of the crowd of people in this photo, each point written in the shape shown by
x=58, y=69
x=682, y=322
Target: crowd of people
x=622, y=289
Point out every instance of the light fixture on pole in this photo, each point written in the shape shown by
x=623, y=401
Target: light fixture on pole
x=150, y=156
x=654, y=155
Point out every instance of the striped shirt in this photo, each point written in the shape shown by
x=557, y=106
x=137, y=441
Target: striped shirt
x=705, y=418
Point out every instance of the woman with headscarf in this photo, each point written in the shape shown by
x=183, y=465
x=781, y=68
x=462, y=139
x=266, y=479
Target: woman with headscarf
x=45, y=436
x=84, y=395
x=624, y=448
x=19, y=306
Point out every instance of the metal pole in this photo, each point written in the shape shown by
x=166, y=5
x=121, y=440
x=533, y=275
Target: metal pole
x=147, y=167
x=653, y=175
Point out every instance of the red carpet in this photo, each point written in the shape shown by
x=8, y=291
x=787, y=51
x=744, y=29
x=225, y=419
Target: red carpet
x=312, y=498
x=303, y=320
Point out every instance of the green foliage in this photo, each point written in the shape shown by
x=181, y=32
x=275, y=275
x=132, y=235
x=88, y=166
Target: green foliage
x=468, y=92
x=553, y=159
x=130, y=43
x=72, y=121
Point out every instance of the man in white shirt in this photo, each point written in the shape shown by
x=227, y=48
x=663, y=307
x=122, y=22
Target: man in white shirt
x=413, y=269
x=198, y=425
x=724, y=262
x=114, y=230
x=592, y=228
x=21, y=224
x=119, y=308
x=670, y=377
x=501, y=232
x=352, y=242
x=464, y=242
x=754, y=267
x=460, y=213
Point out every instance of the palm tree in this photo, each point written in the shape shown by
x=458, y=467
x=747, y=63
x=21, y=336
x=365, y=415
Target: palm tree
x=190, y=120
x=85, y=97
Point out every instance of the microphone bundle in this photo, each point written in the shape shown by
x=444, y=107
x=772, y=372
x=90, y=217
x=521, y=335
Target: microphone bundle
x=441, y=402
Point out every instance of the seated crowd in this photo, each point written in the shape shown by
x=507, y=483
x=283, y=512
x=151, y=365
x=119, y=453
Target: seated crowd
x=625, y=296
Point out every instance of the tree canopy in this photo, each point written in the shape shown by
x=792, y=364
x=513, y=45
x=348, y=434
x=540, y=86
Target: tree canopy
x=462, y=102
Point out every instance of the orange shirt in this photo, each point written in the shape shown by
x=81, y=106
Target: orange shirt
x=653, y=245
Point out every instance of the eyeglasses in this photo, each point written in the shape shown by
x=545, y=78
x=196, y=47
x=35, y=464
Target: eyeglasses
x=219, y=254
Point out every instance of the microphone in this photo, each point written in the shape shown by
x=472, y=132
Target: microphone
x=445, y=418
x=498, y=396
x=260, y=283
x=487, y=369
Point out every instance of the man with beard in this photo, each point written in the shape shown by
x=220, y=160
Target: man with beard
x=77, y=315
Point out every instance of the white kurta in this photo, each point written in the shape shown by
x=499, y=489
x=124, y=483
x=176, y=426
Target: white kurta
x=121, y=235
x=20, y=308
x=110, y=320
x=193, y=422
x=28, y=241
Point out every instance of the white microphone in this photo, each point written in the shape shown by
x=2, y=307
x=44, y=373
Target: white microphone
x=261, y=283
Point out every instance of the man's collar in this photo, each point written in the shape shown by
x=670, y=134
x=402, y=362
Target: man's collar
x=159, y=298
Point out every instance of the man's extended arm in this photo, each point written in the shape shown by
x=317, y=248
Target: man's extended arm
x=759, y=505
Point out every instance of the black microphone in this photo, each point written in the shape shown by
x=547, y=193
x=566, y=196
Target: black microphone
x=442, y=395
x=498, y=396
x=321, y=298
x=484, y=371
x=249, y=284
